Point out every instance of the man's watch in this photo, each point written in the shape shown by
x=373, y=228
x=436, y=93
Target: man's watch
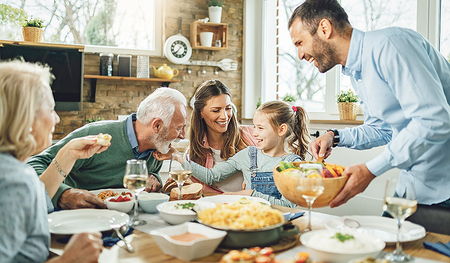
x=336, y=137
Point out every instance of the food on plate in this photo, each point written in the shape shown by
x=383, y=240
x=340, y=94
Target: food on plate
x=183, y=207
x=109, y=193
x=103, y=139
x=371, y=260
x=243, y=214
x=336, y=242
x=170, y=184
x=188, y=237
x=261, y=255
x=329, y=170
x=188, y=192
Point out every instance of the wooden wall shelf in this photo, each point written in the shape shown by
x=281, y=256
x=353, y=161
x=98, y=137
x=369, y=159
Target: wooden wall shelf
x=94, y=78
x=220, y=31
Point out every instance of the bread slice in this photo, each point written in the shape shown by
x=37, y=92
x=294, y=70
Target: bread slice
x=170, y=184
x=103, y=139
x=188, y=192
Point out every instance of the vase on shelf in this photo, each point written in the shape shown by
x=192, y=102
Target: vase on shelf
x=347, y=111
x=215, y=14
x=32, y=34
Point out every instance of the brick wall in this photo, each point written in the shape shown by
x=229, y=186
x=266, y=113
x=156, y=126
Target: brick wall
x=115, y=98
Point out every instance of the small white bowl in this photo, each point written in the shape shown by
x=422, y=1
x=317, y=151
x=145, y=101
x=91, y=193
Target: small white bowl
x=174, y=216
x=149, y=201
x=325, y=249
x=124, y=207
x=188, y=251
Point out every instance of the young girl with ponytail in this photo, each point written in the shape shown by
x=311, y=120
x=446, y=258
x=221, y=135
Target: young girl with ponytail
x=276, y=123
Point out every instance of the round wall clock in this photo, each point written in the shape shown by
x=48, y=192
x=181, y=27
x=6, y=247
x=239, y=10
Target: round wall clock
x=177, y=48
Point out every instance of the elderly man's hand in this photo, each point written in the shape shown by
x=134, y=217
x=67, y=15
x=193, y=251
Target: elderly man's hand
x=153, y=184
x=359, y=177
x=77, y=198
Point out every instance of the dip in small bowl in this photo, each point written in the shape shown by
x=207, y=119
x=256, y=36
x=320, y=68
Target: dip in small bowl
x=336, y=247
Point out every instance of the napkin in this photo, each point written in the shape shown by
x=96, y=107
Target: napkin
x=108, y=240
x=442, y=248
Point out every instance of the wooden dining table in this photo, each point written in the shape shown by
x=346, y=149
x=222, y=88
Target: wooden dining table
x=147, y=250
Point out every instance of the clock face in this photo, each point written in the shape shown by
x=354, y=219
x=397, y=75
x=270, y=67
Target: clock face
x=179, y=49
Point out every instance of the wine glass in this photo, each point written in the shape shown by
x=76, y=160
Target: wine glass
x=399, y=207
x=310, y=184
x=135, y=179
x=179, y=174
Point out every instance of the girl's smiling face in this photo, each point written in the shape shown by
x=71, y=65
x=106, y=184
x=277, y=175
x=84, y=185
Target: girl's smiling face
x=268, y=140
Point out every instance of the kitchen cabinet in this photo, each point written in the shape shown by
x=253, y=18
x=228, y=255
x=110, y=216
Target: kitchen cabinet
x=220, y=31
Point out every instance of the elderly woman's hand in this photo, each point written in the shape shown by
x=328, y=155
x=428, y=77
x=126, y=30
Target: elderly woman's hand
x=84, y=147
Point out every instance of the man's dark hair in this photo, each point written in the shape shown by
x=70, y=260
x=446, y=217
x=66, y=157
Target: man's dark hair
x=311, y=12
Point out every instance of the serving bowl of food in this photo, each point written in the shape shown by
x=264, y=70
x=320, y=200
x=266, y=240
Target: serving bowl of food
x=149, y=201
x=248, y=223
x=121, y=203
x=285, y=176
x=178, y=212
x=337, y=247
x=188, y=241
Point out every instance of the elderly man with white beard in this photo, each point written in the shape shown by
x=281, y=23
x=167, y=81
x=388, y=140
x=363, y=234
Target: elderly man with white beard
x=159, y=121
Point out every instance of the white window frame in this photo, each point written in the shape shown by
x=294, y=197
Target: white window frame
x=159, y=38
x=259, y=65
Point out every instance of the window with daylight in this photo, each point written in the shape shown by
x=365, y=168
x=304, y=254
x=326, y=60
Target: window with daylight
x=102, y=25
x=317, y=92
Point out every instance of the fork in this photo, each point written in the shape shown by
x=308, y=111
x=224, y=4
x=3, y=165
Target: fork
x=117, y=228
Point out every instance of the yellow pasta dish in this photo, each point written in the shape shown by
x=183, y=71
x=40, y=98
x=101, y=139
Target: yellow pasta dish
x=243, y=214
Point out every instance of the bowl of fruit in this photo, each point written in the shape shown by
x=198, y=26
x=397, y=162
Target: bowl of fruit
x=285, y=176
x=122, y=203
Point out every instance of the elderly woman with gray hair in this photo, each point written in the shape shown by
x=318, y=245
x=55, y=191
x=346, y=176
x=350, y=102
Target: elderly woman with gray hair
x=27, y=121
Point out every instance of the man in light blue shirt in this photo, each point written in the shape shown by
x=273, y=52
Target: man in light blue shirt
x=404, y=87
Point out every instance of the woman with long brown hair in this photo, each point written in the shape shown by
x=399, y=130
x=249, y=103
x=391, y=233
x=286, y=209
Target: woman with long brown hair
x=215, y=134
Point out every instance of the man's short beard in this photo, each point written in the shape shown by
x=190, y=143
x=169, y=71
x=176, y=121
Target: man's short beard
x=160, y=140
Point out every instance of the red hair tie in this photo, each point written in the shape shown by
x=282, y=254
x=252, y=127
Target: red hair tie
x=294, y=108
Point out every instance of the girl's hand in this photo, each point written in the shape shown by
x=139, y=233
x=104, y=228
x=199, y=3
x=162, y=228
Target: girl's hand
x=161, y=156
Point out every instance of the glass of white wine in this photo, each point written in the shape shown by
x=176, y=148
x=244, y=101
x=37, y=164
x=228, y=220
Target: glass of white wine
x=135, y=179
x=180, y=175
x=311, y=185
x=399, y=207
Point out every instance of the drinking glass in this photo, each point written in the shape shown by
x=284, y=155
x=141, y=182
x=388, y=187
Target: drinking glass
x=135, y=179
x=311, y=185
x=179, y=174
x=399, y=207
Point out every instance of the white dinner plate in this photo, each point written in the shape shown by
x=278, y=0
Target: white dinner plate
x=84, y=220
x=381, y=227
x=226, y=199
x=115, y=190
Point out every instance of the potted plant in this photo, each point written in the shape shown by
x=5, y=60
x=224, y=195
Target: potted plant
x=32, y=29
x=289, y=98
x=215, y=10
x=347, y=102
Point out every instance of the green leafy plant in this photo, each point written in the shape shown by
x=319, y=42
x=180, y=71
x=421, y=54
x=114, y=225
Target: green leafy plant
x=258, y=103
x=215, y=3
x=94, y=120
x=347, y=97
x=33, y=22
x=289, y=97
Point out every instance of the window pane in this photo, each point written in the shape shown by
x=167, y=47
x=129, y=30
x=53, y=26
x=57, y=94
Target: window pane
x=117, y=23
x=445, y=29
x=294, y=76
x=368, y=15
